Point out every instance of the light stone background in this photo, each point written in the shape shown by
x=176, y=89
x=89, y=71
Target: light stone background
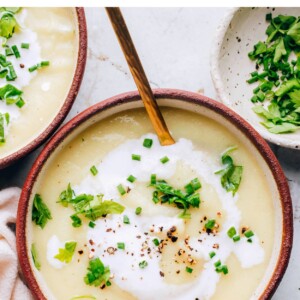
x=174, y=45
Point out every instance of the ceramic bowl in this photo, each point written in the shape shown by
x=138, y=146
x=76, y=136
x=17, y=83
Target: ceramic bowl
x=185, y=101
x=240, y=30
x=36, y=141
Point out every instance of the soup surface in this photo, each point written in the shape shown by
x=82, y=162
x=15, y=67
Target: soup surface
x=47, y=42
x=218, y=247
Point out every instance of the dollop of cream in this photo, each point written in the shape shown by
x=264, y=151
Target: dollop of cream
x=148, y=283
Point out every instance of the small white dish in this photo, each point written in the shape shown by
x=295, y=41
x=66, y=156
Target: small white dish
x=239, y=31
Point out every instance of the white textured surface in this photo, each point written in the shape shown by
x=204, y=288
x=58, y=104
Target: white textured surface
x=174, y=45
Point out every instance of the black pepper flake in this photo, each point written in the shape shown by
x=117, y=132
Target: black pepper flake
x=162, y=274
x=80, y=252
x=22, y=66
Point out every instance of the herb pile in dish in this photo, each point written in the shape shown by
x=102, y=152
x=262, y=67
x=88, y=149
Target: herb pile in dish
x=11, y=56
x=277, y=95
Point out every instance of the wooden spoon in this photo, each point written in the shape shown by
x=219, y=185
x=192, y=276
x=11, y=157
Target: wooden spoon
x=139, y=76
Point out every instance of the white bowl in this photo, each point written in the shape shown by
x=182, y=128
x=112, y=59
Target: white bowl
x=239, y=31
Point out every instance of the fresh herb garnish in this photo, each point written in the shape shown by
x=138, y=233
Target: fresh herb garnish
x=89, y=206
x=39, y=66
x=156, y=242
x=221, y=268
x=10, y=94
x=40, y=212
x=212, y=254
x=98, y=274
x=35, y=258
x=231, y=175
x=131, y=178
x=94, y=170
x=16, y=51
x=143, y=264
x=210, y=224
x=121, y=189
x=249, y=234
x=165, y=193
x=8, y=25
x=136, y=157
x=92, y=224
x=164, y=159
x=138, y=210
x=277, y=75
x=188, y=270
x=232, y=233
x=121, y=246
x=147, y=143
x=4, y=121
x=126, y=220
x=25, y=45
x=66, y=254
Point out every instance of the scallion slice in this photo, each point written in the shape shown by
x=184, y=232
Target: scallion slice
x=121, y=189
x=126, y=220
x=15, y=50
x=121, y=245
x=25, y=45
x=131, y=178
x=136, y=157
x=148, y=143
x=94, y=170
x=164, y=159
x=138, y=210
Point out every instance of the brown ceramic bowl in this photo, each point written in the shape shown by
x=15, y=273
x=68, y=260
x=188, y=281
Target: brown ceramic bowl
x=185, y=101
x=68, y=102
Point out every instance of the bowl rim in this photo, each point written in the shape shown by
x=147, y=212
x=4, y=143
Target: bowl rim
x=70, y=98
x=259, y=143
x=219, y=37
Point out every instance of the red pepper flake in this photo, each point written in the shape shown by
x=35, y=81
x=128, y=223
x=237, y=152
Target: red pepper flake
x=109, y=230
x=91, y=242
x=22, y=66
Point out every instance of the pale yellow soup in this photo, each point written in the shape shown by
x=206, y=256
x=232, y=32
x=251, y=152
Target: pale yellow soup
x=72, y=164
x=57, y=35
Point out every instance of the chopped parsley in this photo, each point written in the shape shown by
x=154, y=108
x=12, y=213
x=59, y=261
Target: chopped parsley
x=231, y=175
x=277, y=75
x=165, y=193
x=98, y=274
x=89, y=206
x=35, y=258
x=66, y=254
x=40, y=212
x=212, y=254
x=92, y=224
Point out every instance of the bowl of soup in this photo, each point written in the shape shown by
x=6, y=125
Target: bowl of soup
x=42, y=60
x=106, y=212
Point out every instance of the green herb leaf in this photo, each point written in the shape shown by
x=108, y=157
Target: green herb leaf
x=8, y=25
x=210, y=224
x=189, y=270
x=143, y=264
x=279, y=51
x=35, y=258
x=294, y=33
x=40, y=212
x=94, y=170
x=66, y=254
x=231, y=175
x=98, y=274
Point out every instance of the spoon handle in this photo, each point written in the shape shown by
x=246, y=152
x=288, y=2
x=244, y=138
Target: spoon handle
x=139, y=76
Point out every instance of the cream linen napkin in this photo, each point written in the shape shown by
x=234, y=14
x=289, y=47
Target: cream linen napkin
x=11, y=286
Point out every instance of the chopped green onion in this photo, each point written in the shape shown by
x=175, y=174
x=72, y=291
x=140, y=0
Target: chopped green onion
x=3, y=73
x=76, y=221
x=155, y=242
x=34, y=255
x=143, y=264
x=121, y=189
x=131, y=178
x=231, y=232
x=210, y=224
x=138, y=210
x=249, y=240
x=212, y=254
x=249, y=233
x=8, y=52
x=15, y=49
x=268, y=17
x=20, y=103
x=108, y=283
x=153, y=179
x=92, y=224
x=33, y=68
x=136, y=157
x=126, y=220
x=25, y=45
x=94, y=170
x=217, y=264
x=236, y=238
x=189, y=270
x=148, y=143
x=12, y=74
x=121, y=246
x=164, y=159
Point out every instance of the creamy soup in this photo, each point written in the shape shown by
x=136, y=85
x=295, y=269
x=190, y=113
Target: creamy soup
x=153, y=248
x=46, y=42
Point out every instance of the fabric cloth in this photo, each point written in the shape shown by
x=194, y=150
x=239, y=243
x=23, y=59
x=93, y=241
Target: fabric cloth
x=11, y=285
